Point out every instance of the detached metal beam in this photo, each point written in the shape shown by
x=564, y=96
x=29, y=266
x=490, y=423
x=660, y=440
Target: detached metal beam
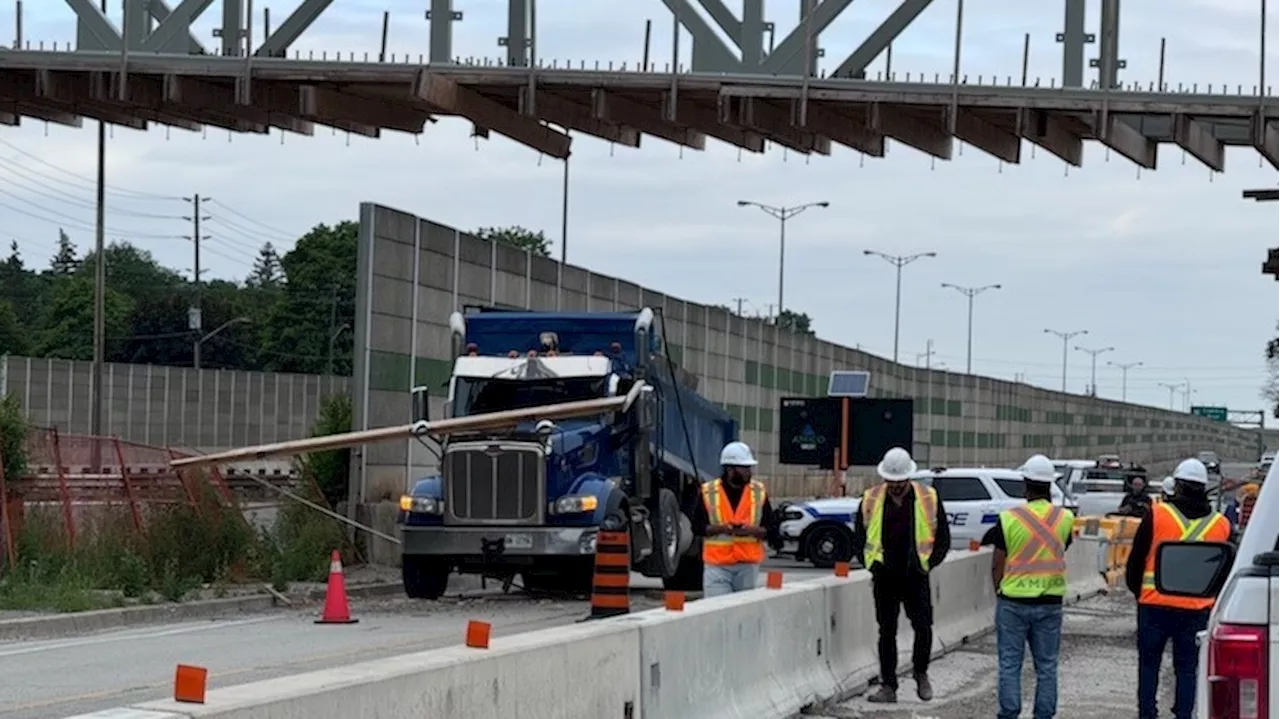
x=579, y=118
x=988, y=136
x=618, y=110
x=856, y=64
x=451, y=98
x=793, y=45
x=1198, y=141
x=929, y=138
x=1049, y=133
x=1122, y=137
x=293, y=27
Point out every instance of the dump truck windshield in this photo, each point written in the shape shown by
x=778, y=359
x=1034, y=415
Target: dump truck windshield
x=480, y=396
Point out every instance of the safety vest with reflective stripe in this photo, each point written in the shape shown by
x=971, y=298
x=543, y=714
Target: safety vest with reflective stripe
x=1168, y=524
x=1035, y=540
x=926, y=524
x=723, y=550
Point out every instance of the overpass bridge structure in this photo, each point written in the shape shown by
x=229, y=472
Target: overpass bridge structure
x=748, y=97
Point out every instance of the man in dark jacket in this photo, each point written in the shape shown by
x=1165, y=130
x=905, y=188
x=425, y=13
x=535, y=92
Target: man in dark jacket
x=1136, y=502
x=899, y=537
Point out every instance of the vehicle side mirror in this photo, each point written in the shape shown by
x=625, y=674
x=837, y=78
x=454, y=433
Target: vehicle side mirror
x=1193, y=569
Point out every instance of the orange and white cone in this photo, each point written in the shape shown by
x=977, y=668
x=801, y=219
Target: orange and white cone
x=336, y=608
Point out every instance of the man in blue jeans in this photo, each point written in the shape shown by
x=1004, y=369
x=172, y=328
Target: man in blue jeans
x=1029, y=572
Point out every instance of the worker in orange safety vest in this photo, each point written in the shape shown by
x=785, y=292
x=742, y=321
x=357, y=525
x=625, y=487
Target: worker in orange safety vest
x=735, y=520
x=1186, y=517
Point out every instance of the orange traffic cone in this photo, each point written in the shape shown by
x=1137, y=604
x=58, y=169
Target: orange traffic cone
x=336, y=609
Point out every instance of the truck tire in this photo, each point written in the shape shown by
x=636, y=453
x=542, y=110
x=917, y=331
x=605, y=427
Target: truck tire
x=424, y=577
x=826, y=544
x=664, y=562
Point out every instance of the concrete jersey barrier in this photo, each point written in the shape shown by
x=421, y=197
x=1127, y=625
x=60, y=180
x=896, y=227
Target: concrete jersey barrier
x=764, y=654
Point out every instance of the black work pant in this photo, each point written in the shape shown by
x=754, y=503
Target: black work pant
x=893, y=593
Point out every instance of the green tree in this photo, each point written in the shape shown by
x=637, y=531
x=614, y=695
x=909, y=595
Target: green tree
x=518, y=237
x=316, y=303
x=267, y=272
x=797, y=322
x=13, y=340
x=66, y=324
x=158, y=313
x=13, y=438
x=65, y=261
x=331, y=470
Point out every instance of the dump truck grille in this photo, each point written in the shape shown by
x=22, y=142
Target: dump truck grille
x=494, y=483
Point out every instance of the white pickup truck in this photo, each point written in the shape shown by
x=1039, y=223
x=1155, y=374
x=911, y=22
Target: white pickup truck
x=820, y=531
x=1238, y=650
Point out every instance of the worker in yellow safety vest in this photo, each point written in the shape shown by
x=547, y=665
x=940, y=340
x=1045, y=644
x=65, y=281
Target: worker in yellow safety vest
x=900, y=533
x=734, y=520
x=1029, y=573
x=1163, y=619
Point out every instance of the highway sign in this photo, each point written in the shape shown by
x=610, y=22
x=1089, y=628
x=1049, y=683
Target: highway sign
x=1217, y=414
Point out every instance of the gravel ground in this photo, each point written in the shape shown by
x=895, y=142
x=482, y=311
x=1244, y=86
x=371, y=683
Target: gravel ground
x=1097, y=673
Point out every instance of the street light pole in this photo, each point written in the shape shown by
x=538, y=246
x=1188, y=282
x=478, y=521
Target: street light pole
x=1065, y=337
x=1124, y=376
x=216, y=330
x=1093, y=368
x=898, y=261
x=970, y=292
x=1172, y=388
x=783, y=214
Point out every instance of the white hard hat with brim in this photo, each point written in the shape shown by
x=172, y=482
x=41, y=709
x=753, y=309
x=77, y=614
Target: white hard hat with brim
x=896, y=469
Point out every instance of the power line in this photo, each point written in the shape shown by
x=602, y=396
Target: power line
x=137, y=194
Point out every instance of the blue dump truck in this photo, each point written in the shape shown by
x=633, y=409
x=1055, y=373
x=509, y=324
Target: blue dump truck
x=528, y=500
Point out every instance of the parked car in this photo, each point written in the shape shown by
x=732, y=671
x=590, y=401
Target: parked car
x=820, y=531
x=1238, y=650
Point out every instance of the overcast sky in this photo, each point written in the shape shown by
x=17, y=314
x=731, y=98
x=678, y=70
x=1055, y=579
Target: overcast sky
x=1163, y=265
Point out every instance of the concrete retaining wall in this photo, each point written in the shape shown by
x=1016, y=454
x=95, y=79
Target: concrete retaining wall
x=414, y=272
x=764, y=654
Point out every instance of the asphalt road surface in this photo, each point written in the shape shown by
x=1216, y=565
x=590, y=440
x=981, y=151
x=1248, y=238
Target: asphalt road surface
x=73, y=675
x=1097, y=677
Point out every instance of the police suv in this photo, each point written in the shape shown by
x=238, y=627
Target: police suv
x=821, y=530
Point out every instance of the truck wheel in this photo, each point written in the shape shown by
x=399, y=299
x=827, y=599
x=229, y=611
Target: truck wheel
x=688, y=577
x=424, y=577
x=828, y=544
x=665, y=525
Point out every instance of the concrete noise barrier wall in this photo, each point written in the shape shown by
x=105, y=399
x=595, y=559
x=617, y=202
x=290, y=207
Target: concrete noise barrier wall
x=765, y=654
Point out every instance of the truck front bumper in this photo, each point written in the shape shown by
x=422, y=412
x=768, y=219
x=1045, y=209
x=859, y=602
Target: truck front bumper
x=444, y=541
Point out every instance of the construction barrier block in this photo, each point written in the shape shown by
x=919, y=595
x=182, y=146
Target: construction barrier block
x=674, y=601
x=189, y=684
x=774, y=580
x=842, y=569
x=478, y=634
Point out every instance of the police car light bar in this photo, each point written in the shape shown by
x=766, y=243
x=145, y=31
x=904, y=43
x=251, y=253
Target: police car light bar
x=849, y=383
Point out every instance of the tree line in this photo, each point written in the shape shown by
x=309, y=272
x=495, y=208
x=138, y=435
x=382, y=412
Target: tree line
x=293, y=312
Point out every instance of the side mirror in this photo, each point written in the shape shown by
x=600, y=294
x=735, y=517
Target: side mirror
x=1193, y=569
x=421, y=405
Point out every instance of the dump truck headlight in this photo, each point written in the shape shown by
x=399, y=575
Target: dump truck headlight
x=574, y=504
x=421, y=505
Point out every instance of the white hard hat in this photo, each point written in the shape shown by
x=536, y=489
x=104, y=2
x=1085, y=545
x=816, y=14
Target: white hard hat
x=1038, y=468
x=1192, y=470
x=897, y=465
x=1167, y=485
x=737, y=454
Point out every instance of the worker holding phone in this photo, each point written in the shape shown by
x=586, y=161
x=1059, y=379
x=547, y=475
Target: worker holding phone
x=735, y=521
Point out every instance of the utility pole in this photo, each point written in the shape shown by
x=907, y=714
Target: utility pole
x=1065, y=337
x=1124, y=376
x=927, y=354
x=898, y=261
x=1093, y=368
x=99, y=293
x=970, y=292
x=194, y=319
x=1186, y=395
x=782, y=214
x=740, y=301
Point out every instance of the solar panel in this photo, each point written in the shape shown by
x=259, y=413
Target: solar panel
x=848, y=383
